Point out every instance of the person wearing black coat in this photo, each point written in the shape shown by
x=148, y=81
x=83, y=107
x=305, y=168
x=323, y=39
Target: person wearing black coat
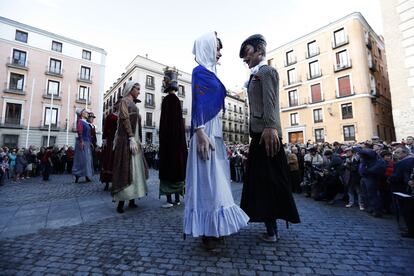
x=371, y=170
x=352, y=179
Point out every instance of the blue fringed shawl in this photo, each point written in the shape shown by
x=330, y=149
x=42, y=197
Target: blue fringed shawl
x=208, y=96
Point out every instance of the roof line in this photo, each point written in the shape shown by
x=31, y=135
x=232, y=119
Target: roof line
x=358, y=14
x=159, y=63
x=58, y=37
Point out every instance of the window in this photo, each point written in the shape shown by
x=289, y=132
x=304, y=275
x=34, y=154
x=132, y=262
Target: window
x=290, y=59
x=56, y=46
x=53, y=88
x=148, y=137
x=293, y=98
x=240, y=110
x=55, y=66
x=344, y=86
x=148, y=121
x=342, y=59
x=316, y=94
x=349, y=133
x=181, y=90
x=21, y=36
x=234, y=108
x=16, y=82
x=314, y=70
x=270, y=62
x=19, y=57
x=291, y=76
x=84, y=93
x=52, y=141
x=346, y=111
x=51, y=116
x=85, y=73
x=317, y=115
x=86, y=54
x=149, y=83
x=319, y=135
x=373, y=85
x=313, y=49
x=10, y=141
x=13, y=114
x=339, y=37
x=149, y=100
x=294, y=119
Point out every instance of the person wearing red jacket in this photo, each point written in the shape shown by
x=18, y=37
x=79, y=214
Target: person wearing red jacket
x=384, y=186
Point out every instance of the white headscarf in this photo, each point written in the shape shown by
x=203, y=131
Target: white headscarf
x=205, y=51
x=128, y=87
x=79, y=111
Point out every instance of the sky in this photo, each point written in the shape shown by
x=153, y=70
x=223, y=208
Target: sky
x=166, y=30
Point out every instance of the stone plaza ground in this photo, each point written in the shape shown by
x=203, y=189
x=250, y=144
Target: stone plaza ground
x=60, y=227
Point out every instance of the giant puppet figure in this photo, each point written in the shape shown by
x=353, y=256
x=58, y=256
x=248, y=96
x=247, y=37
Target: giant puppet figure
x=172, y=143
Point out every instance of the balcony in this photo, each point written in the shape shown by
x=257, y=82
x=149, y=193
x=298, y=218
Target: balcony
x=314, y=76
x=351, y=93
x=290, y=62
x=372, y=65
x=10, y=123
x=375, y=92
x=368, y=42
x=8, y=88
x=85, y=78
x=340, y=44
x=83, y=100
x=185, y=111
x=150, y=104
x=311, y=101
x=150, y=86
x=149, y=124
x=314, y=53
x=53, y=127
x=302, y=103
x=344, y=66
x=47, y=95
x=54, y=71
x=291, y=84
x=18, y=63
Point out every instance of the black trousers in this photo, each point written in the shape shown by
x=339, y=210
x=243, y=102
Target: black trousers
x=266, y=192
x=46, y=171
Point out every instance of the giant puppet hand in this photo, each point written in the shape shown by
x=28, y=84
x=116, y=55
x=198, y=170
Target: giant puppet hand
x=133, y=145
x=204, y=144
x=270, y=138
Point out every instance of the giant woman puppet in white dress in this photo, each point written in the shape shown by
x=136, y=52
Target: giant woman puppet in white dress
x=210, y=211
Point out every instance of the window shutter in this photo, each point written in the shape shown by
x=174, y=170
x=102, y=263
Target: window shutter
x=316, y=93
x=344, y=86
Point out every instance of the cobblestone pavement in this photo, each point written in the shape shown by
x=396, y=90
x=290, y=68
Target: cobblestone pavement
x=331, y=240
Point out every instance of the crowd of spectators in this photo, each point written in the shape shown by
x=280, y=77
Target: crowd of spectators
x=371, y=175
x=18, y=164
x=367, y=174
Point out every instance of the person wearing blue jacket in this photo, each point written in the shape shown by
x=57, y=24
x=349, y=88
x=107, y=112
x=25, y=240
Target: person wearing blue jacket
x=371, y=169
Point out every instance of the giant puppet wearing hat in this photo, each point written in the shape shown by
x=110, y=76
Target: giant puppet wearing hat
x=173, y=147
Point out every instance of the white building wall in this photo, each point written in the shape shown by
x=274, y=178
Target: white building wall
x=398, y=21
x=138, y=70
x=44, y=40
